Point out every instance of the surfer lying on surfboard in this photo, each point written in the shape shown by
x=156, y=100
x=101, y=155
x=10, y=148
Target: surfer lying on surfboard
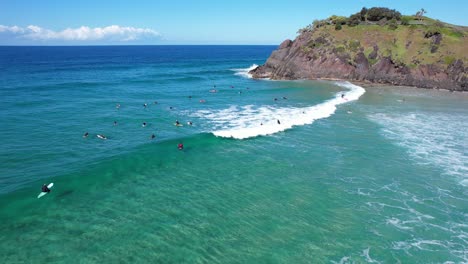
x=45, y=188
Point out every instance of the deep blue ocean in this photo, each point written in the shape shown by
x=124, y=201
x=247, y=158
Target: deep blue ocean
x=271, y=171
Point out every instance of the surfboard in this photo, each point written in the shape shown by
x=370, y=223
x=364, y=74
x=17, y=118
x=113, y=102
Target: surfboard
x=175, y=124
x=44, y=193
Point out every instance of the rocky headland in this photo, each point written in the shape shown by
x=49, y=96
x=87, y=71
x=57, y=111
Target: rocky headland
x=376, y=45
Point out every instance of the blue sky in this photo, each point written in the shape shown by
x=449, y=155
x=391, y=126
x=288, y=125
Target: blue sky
x=95, y=22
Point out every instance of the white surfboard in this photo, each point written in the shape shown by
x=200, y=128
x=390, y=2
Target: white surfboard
x=44, y=193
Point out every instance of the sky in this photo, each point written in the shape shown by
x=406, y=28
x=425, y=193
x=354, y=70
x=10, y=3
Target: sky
x=183, y=22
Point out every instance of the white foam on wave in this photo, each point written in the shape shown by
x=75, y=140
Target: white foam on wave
x=399, y=224
x=242, y=122
x=245, y=71
x=464, y=182
x=427, y=245
x=365, y=253
x=343, y=260
x=430, y=138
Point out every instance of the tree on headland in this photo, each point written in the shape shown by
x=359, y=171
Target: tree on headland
x=379, y=13
x=364, y=14
x=420, y=13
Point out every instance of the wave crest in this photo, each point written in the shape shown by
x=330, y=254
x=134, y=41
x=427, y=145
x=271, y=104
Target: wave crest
x=245, y=71
x=250, y=121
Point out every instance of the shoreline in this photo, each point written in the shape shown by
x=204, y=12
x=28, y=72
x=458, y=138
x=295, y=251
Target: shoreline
x=366, y=84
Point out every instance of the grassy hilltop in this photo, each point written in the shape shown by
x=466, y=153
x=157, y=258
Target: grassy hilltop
x=376, y=45
x=410, y=40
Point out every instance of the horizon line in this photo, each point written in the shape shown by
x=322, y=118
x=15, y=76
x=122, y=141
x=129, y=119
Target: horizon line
x=129, y=45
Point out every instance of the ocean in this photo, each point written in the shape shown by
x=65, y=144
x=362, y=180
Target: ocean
x=270, y=172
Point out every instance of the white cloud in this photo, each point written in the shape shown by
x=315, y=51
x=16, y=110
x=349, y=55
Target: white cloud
x=13, y=29
x=83, y=33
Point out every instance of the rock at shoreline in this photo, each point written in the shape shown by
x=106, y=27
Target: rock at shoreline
x=408, y=56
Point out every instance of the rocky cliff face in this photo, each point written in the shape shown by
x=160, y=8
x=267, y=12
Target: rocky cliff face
x=403, y=57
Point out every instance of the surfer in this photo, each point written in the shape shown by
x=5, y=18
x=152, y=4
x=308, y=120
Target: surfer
x=170, y=107
x=145, y=105
x=285, y=98
x=276, y=99
x=177, y=123
x=153, y=136
x=155, y=102
x=342, y=95
x=279, y=123
x=115, y=123
x=180, y=146
x=144, y=124
x=45, y=188
x=189, y=123
x=86, y=134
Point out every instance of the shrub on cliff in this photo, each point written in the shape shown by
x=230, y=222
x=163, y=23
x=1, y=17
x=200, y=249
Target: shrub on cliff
x=405, y=20
x=432, y=31
x=354, y=20
x=337, y=20
x=319, y=23
x=392, y=25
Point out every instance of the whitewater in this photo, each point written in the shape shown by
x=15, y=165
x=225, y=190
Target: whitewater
x=241, y=122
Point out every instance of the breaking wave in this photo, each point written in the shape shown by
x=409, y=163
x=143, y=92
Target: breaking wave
x=245, y=71
x=242, y=122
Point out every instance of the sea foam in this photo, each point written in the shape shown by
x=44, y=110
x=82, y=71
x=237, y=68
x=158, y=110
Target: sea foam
x=244, y=72
x=242, y=122
x=430, y=138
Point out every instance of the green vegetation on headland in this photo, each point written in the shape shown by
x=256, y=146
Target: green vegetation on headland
x=410, y=40
x=376, y=45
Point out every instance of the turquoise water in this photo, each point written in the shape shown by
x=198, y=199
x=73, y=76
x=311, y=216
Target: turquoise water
x=376, y=177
